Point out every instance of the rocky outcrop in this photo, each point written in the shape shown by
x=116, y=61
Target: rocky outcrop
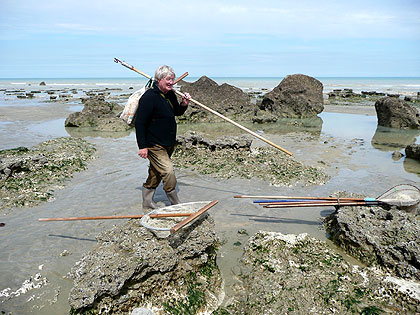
x=346, y=93
x=98, y=114
x=232, y=157
x=297, y=96
x=413, y=151
x=396, y=113
x=192, y=139
x=297, y=274
x=379, y=237
x=225, y=99
x=130, y=268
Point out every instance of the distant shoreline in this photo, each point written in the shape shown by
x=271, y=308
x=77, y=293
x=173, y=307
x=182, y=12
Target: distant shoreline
x=396, y=85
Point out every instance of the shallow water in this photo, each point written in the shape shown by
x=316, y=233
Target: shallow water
x=351, y=148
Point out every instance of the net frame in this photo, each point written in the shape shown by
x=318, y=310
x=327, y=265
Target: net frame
x=161, y=226
x=403, y=195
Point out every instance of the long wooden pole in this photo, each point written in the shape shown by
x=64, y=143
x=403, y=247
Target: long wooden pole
x=322, y=204
x=212, y=111
x=306, y=198
x=308, y=202
x=109, y=217
x=193, y=216
x=302, y=201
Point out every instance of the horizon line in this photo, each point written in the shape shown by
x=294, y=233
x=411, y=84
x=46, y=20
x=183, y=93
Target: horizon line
x=233, y=77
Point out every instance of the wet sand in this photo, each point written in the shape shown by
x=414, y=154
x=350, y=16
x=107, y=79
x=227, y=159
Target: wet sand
x=112, y=186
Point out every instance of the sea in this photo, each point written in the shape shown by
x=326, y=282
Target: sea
x=409, y=86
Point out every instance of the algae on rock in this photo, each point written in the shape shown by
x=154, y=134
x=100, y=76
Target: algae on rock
x=29, y=176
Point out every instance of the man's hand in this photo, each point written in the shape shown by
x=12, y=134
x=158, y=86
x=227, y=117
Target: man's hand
x=143, y=153
x=185, y=99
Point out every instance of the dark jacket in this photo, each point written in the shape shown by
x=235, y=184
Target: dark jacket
x=155, y=118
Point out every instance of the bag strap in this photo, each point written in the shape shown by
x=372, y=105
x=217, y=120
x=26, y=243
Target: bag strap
x=167, y=99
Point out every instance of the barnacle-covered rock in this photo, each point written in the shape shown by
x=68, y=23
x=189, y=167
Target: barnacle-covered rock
x=282, y=274
x=130, y=268
x=204, y=156
x=28, y=176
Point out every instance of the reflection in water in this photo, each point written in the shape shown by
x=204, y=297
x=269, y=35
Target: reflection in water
x=288, y=125
x=81, y=132
x=53, y=128
x=392, y=139
x=282, y=126
x=348, y=126
x=412, y=166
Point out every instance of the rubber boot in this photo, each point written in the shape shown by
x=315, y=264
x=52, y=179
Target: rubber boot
x=173, y=197
x=148, y=194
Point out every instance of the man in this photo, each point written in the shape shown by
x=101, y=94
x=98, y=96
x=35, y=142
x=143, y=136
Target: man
x=156, y=134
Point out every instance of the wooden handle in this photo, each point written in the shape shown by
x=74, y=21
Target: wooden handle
x=273, y=202
x=193, y=216
x=180, y=78
x=139, y=216
x=307, y=198
x=325, y=204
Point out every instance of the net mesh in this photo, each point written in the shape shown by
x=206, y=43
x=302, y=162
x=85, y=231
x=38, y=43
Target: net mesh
x=161, y=226
x=401, y=196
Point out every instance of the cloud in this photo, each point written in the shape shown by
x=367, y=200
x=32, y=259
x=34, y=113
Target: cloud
x=217, y=33
x=210, y=19
x=79, y=27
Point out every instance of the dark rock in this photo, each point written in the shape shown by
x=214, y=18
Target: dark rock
x=99, y=114
x=368, y=92
x=297, y=96
x=378, y=237
x=264, y=118
x=396, y=155
x=42, y=83
x=130, y=269
x=396, y=113
x=225, y=99
x=413, y=151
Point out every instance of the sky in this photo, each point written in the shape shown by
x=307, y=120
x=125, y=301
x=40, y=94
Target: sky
x=217, y=38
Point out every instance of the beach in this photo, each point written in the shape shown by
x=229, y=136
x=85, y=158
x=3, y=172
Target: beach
x=345, y=142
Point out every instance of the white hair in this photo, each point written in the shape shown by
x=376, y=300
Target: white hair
x=164, y=71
